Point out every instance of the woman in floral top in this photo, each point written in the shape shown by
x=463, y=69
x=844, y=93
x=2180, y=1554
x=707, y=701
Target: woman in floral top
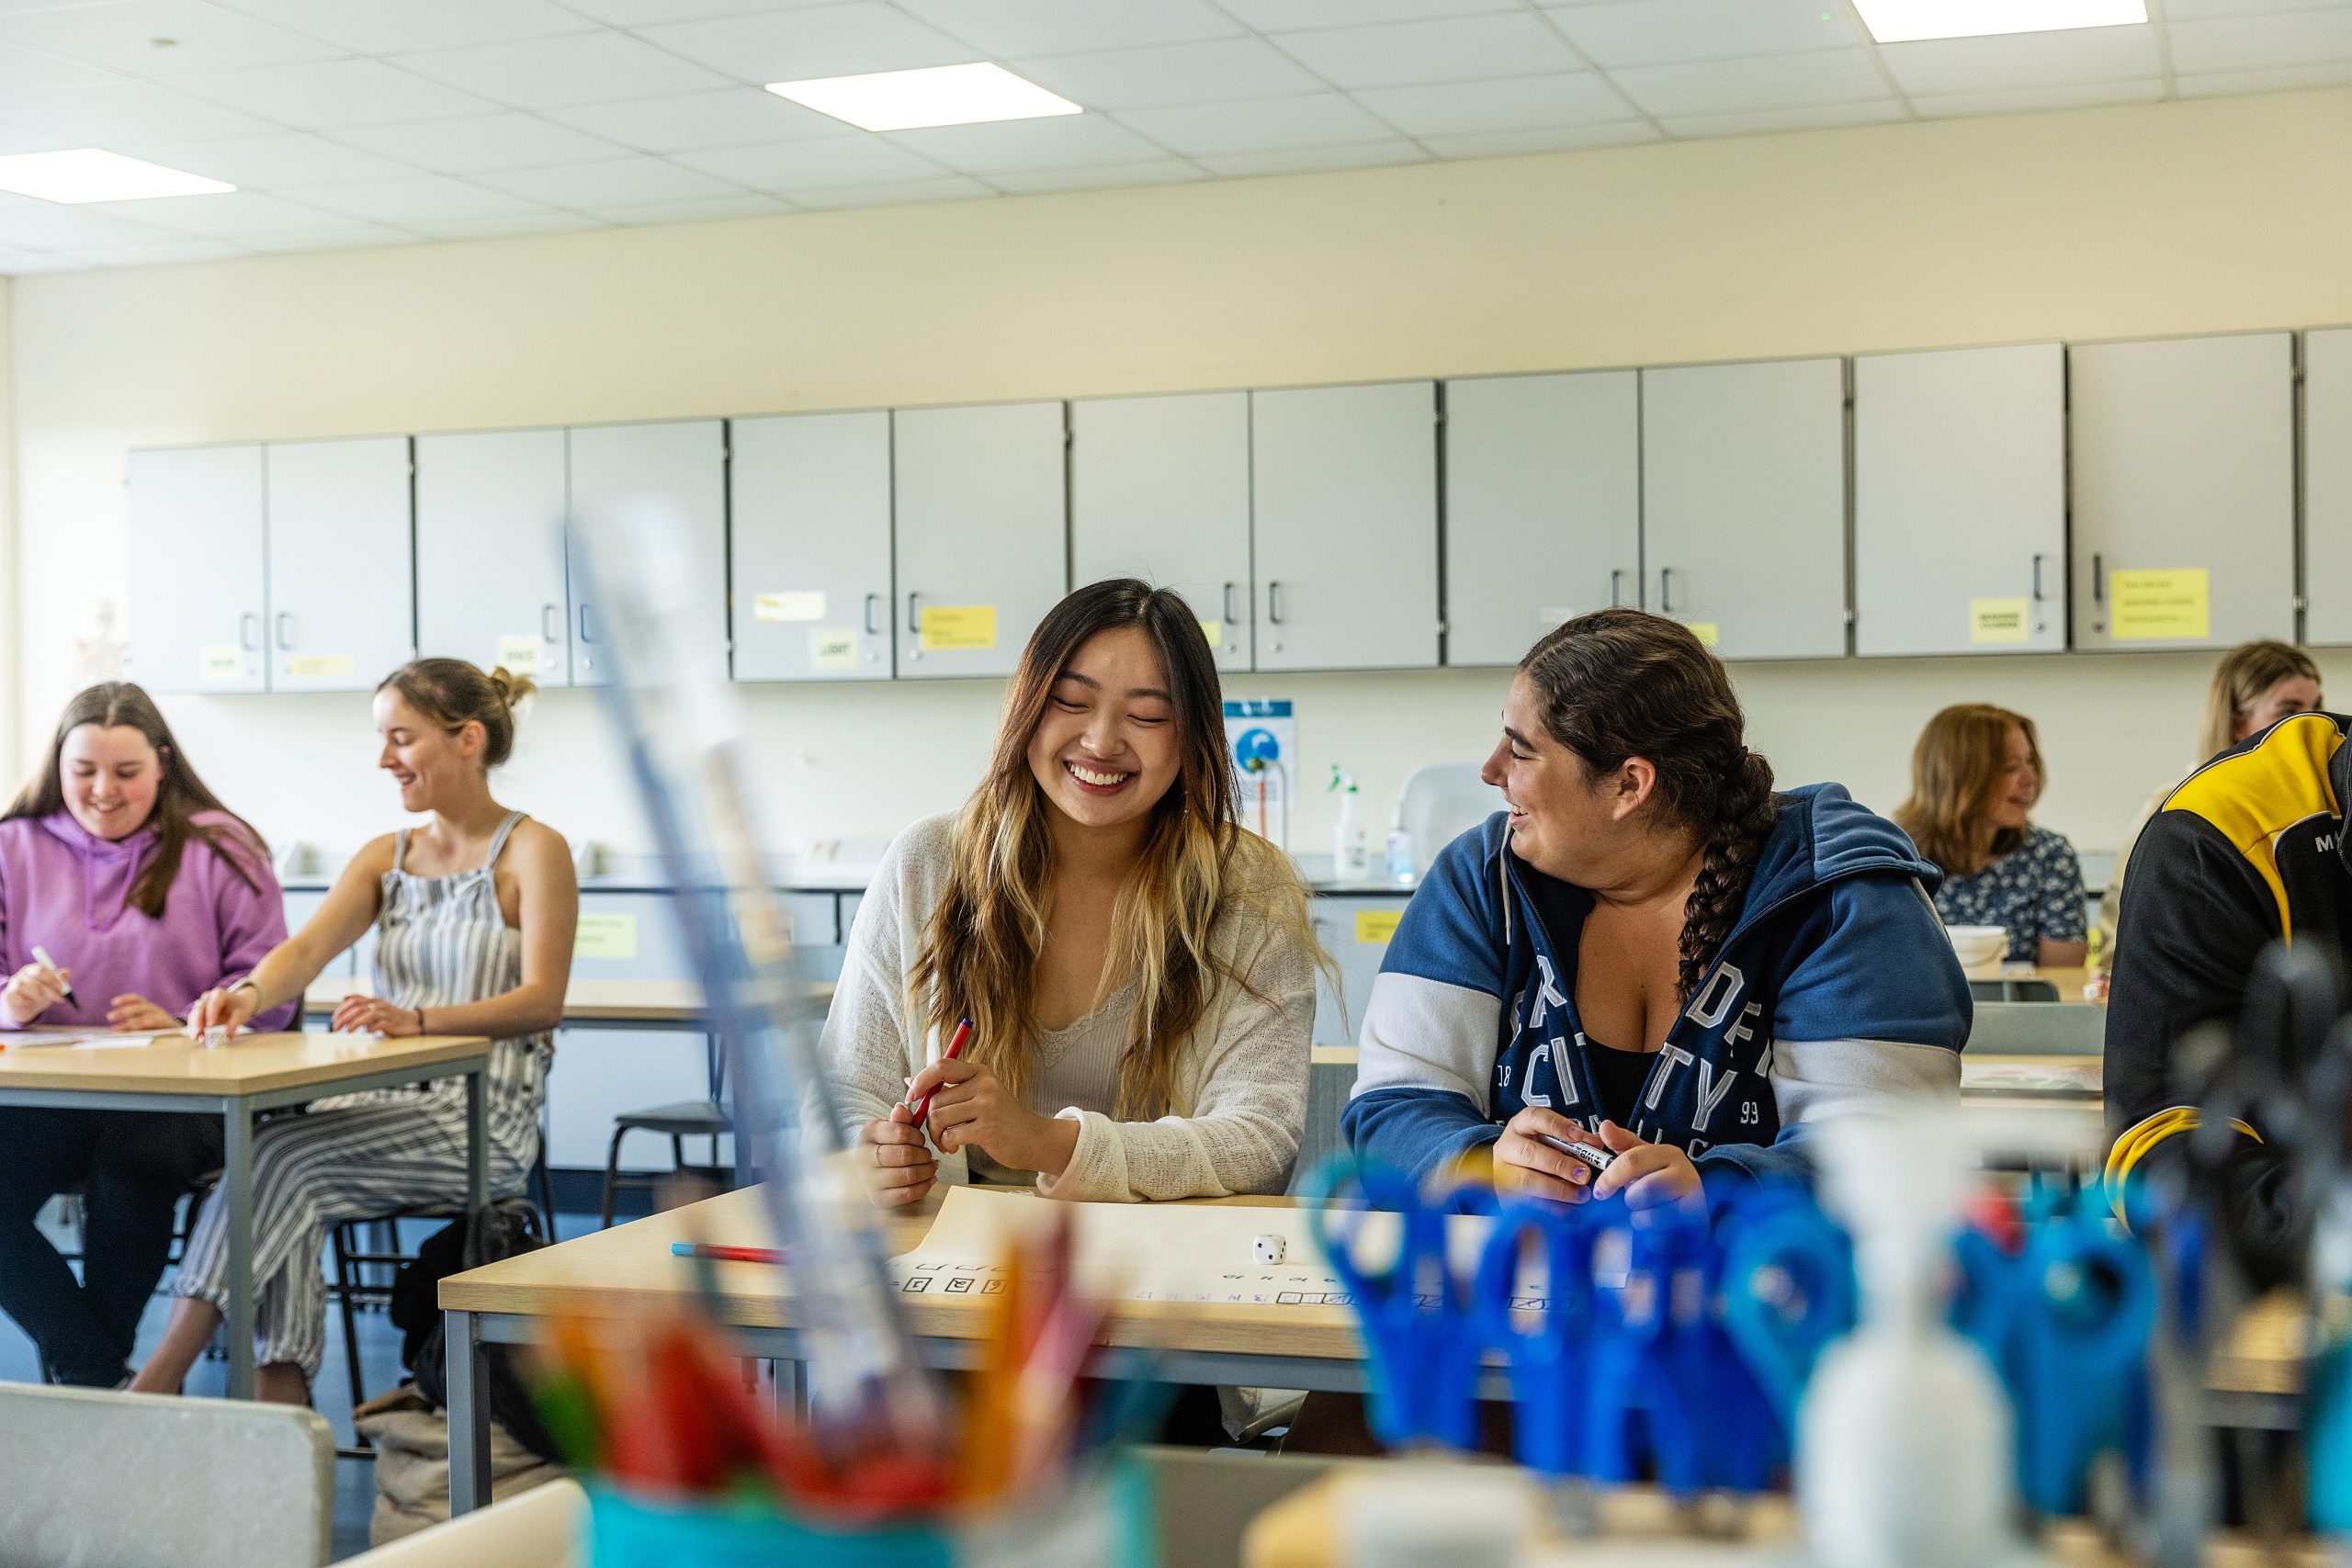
x=1974, y=777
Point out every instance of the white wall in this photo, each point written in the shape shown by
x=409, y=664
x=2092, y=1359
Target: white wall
x=2177, y=217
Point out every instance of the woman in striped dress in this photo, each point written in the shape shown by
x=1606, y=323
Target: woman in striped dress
x=474, y=913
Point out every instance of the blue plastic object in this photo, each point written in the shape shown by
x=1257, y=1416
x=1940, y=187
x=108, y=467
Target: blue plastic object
x=1551, y=1361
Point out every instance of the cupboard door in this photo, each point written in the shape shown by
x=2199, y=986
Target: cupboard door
x=341, y=577
x=2184, y=482
x=2327, y=486
x=489, y=569
x=1343, y=483
x=982, y=537
x=1159, y=490
x=196, y=573
x=810, y=569
x=1744, y=505
x=681, y=467
x=1960, y=500
x=1542, y=506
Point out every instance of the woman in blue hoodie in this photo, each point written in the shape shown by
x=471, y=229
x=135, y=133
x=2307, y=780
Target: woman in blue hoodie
x=1651, y=950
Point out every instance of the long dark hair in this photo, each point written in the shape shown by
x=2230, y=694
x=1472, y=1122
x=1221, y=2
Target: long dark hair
x=979, y=951
x=1620, y=683
x=179, y=794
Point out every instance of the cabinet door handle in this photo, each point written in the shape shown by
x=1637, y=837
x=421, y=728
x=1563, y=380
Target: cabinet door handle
x=1666, y=591
x=914, y=618
x=1225, y=602
x=2037, y=580
x=285, y=636
x=872, y=600
x=550, y=623
x=1273, y=604
x=2099, y=579
x=583, y=624
x=1616, y=577
x=248, y=630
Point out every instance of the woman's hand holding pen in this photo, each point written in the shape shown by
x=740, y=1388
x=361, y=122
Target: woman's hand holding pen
x=1651, y=1176
x=226, y=1007
x=1524, y=1163
x=33, y=990
x=897, y=1165
x=971, y=1108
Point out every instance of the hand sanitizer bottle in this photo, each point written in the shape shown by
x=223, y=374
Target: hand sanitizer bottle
x=1401, y=869
x=1351, y=850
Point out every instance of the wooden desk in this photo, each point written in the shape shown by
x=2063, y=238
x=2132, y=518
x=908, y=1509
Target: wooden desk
x=238, y=1082
x=587, y=1004
x=2068, y=979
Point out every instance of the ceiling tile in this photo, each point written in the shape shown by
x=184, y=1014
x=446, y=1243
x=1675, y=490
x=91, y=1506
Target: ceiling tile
x=1258, y=125
x=25, y=69
x=585, y=68
x=399, y=27
x=1113, y=177
x=1811, y=118
x=1522, y=103
x=1172, y=74
x=231, y=215
x=2197, y=10
x=2024, y=60
x=1002, y=27
x=341, y=237
x=169, y=252
x=2024, y=100
x=893, y=193
x=267, y=162
x=1283, y=16
x=477, y=143
x=620, y=182
x=46, y=226
x=336, y=93
x=720, y=210
x=14, y=139
x=1762, y=82
x=1310, y=159
x=1451, y=48
x=1065, y=141
x=1552, y=139
x=2245, y=43
x=653, y=13
x=1664, y=33
x=118, y=114
x=119, y=36
x=510, y=227
x=15, y=263
x=413, y=203
x=827, y=41
x=2281, y=78
x=731, y=117
x=789, y=167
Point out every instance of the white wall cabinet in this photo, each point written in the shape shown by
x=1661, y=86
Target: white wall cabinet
x=2184, y=486
x=681, y=467
x=199, y=609
x=809, y=568
x=341, y=582
x=982, y=538
x=2327, y=487
x=1344, y=486
x=1542, y=506
x=489, y=567
x=1960, y=500
x=1159, y=490
x=1744, y=505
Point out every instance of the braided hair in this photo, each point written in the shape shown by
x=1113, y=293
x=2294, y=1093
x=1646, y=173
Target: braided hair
x=1620, y=683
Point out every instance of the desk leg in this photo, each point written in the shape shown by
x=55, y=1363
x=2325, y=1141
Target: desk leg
x=237, y=1192
x=469, y=1415
x=477, y=1143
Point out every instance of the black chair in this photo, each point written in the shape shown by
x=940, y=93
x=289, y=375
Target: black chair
x=679, y=1121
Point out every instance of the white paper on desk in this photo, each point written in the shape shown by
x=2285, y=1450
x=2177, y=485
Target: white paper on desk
x=114, y=1042
x=1154, y=1252
x=1993, y=1075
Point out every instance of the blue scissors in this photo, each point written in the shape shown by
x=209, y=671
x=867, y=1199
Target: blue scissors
x=1651, y=1395
x=1787, y=1291
x=1419, y=1313
x=1550, y=1364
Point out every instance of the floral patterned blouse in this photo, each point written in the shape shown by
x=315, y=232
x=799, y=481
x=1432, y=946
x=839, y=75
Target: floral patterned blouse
x=2035, y=890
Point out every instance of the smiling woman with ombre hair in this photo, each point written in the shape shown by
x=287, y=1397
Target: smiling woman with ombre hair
x=1139, y=971
x=1975, y=776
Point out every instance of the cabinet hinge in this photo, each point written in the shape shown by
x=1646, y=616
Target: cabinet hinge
x=1851, y=618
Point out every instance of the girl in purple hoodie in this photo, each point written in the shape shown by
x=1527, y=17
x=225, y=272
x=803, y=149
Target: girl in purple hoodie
x=120, y=865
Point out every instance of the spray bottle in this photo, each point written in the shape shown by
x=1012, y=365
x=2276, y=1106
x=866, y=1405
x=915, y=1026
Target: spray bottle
x=1351, y=850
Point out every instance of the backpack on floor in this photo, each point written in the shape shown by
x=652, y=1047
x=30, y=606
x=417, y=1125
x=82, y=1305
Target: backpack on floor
x=509, y=1227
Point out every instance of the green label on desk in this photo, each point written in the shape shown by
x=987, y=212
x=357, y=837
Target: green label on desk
x=606, y=936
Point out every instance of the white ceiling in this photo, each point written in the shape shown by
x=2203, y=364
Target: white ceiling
x=374, y=122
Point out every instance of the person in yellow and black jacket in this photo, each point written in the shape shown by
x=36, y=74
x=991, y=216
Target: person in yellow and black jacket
x=2250, y=849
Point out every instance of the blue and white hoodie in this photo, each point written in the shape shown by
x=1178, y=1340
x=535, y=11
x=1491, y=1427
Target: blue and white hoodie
x=1836, y=990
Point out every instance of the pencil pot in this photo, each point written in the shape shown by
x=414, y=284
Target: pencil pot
x=1106, y=1523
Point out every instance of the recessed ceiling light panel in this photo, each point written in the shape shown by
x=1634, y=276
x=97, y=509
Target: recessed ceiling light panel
x=940, y=94
x=1899, y=21
x=88, y=174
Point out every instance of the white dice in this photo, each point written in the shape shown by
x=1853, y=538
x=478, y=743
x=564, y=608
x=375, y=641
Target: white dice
x=1267, y=1249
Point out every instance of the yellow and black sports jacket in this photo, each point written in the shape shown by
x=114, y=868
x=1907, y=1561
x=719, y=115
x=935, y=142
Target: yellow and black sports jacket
x=2250, y=848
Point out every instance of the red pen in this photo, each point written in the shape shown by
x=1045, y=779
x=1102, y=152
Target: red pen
x=725, y=1254
x=954, y=1049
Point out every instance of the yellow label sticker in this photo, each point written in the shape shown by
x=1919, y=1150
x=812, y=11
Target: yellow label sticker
x=949, y=627
x=830, y=648
x=2168, y=605
x=223, y=663
x=1215, y=632
x=1375, y=927
x=1705, y=631
x=799, y=606
x=2000, y=620
x=320, y=666
x=605, y=936
x=519, y=654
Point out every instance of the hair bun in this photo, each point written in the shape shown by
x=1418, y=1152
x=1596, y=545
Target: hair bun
x=510, y=688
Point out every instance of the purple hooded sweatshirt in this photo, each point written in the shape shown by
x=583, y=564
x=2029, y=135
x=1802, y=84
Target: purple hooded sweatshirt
x=67, y=890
